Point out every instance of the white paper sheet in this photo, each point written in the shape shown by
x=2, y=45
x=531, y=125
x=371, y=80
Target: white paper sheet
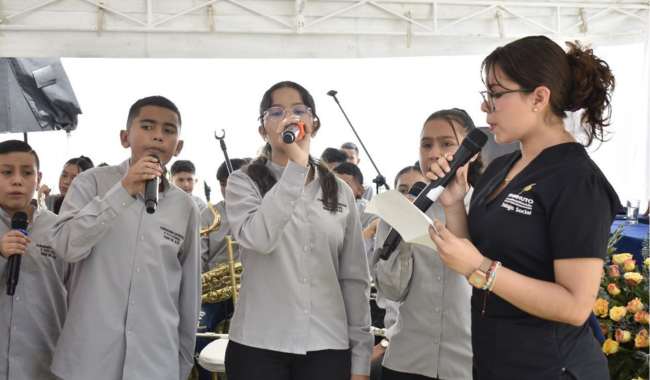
x=411, y=223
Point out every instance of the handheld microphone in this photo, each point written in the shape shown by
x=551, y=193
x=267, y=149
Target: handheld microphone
x=18, y=222
x=151, y=192
x=293, y=132
x=417, y=188
x=471, y=145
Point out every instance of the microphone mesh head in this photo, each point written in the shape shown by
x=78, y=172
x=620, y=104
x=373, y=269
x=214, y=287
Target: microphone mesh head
x=417, y=188
x=19, y=221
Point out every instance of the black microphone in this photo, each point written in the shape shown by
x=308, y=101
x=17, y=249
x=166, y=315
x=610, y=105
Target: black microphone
x=291, y=133
x=18, y=222
x=471, y=145
x=417, y=188
x=151, y=192
x=332, y=92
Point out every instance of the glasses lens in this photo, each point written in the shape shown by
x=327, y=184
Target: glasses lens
x=300, y=110
x=275, y=113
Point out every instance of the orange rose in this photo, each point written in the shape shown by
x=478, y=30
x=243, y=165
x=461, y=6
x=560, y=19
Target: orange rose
x=610, y=347
x=622, y=336
x=613, y=290
x=642, y=317
x=613, y=271
x=601, y=308
x=629, y=265
x=641, y=340
x=635, y=305
x=633, y=278
x=621, y=257
x=617, y=313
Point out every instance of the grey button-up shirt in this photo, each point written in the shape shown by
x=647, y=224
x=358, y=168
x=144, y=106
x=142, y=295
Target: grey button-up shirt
x=200, y=203
x=305, y=284
x=432, y=336
x=31, y=320
x=214, y=249
x=135, y=287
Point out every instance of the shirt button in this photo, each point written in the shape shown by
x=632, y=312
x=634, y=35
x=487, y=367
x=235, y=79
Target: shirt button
x=306, y=311
x=306, y=248
x=137, y=270
x=17, y=298
x=439, y=278
x=304, y=280
x=142, y=238
x=124, y=204
x=437, y=310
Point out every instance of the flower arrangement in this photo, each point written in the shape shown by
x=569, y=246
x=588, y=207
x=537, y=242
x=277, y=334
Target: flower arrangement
x=622, y=311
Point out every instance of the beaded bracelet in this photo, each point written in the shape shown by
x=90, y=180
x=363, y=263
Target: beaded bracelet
x=491, y=276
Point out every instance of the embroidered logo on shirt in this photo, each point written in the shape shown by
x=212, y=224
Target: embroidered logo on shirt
x=339, y=207
x=172, y=236
x=46, y=250
x=518, y=203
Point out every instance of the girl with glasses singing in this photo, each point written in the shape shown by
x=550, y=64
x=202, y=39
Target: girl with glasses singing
x=431, y=338
x=303, y=310
x=534, y=240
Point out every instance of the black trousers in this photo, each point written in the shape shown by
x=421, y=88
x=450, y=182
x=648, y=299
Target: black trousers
x=389, y=374
x=250, y=363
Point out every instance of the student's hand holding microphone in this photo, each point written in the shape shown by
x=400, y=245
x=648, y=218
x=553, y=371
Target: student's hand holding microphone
x=297, y=150
x=139, y=173
x=14, y=242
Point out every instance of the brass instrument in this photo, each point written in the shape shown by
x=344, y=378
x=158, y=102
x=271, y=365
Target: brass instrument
x=222, y=282
x=216, y=216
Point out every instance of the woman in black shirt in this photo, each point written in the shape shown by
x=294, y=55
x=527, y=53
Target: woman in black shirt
x=539, y=218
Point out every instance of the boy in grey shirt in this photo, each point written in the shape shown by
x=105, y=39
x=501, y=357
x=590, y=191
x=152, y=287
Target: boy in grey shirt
x=31, y=319
x=134, y=293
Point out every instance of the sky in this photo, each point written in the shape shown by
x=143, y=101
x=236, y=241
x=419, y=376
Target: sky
x=387, y=100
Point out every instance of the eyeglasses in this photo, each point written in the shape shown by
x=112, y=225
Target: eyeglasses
x=278, y=113
x=490, y=97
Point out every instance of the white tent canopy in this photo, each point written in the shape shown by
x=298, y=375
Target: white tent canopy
x=304, y=28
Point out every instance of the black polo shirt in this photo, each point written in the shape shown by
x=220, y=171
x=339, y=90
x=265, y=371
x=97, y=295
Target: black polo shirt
x=560, y=206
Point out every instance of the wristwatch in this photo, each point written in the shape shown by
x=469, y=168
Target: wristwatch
x=479, y=278
x=384, y=343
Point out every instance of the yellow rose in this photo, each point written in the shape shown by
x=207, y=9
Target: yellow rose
x=622, y=336
x=610, y=347
x=646, y=262
x=617, y=313
x=633, y=278
x=641, y=340
x=613, y=290
x=601, y=308
x=629, y=265
x=621, y=257
x=635, y=305
x=642, y=317
x=613, y=271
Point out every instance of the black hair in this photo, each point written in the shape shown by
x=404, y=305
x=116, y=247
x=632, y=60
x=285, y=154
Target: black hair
x=333, y=155
x=462, y=118
x=260, y=173
x=577, y=79
x=410, y=168
x=156, y=100
x=82, y=162
x=11, y=146
x=222, y=172
x=182, y=166
x=350, y=145
x=350, y=169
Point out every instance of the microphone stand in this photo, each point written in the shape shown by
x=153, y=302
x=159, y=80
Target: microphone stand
x=222, y=142
x=379, y=180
